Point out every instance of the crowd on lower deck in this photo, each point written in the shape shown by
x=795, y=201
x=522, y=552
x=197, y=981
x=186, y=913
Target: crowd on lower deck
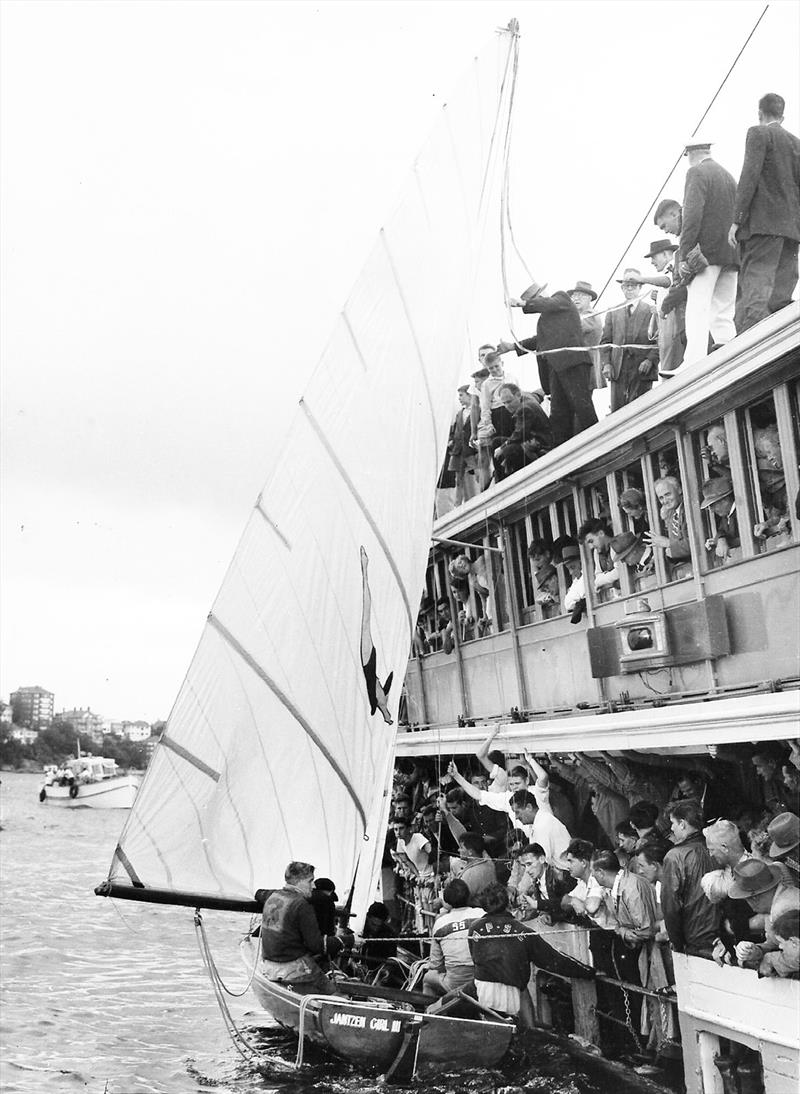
x=732, y=264
x=648, y=854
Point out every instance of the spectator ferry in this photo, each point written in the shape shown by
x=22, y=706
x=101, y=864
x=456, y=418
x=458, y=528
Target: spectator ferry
x=677, y=658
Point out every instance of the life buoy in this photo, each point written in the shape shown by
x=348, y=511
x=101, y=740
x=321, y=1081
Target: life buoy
x=42, y=795
x=73, y=790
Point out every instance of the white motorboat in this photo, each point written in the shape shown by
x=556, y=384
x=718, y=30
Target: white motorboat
x=91, y=781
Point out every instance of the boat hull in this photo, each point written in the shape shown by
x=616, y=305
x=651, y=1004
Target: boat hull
x=114, y=793
x=372, y=1034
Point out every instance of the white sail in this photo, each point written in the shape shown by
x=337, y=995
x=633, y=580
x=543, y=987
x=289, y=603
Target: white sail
x=279, y=745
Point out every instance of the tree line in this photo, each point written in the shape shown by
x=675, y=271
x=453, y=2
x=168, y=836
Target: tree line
x=58, y=742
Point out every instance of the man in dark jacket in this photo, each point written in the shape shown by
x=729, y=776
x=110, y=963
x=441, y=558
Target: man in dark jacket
x=532, y=435
x=705, y=251
x=691, y=920
x=566, y=375
x=766, y=217
x=630, y=372
x=290, y=935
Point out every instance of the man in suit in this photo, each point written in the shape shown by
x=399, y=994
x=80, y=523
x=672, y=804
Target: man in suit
x=544, y=886
x=463, y=460
x=766, y=218
x=583, y=297
x=565, y=375
x=704, y=225
x=630, y=372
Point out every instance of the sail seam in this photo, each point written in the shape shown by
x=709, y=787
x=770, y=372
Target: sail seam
x=354, y=340
x=129, y=870
x=185, y=754
x=260, y=508
x=362, y=506
x=417, y=346
x=284, y=699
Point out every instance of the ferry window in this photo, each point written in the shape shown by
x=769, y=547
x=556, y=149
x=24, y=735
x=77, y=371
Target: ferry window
x=596, y=533
x=763, y=453
x=476, y=584
x=633, y=524
x=520, y=570
x=720, y=508
x=669, y=534
x=787, y=405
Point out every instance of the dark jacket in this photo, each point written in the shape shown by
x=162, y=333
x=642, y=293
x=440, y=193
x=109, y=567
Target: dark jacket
x=531, y=424
x=289, y=927
x=502, y=950
x=559, y=325
x=622, y=329
x=708, y=213
x=558, y=884
x=458, y=445
x=692, y=921
x=768, y=194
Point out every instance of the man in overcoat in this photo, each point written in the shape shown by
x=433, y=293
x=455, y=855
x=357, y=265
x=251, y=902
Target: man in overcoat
x=766, y=218
x=630, y=372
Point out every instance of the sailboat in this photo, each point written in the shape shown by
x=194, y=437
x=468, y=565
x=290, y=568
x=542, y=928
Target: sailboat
x=280, y=744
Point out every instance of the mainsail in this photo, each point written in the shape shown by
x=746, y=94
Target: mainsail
x=280, y=742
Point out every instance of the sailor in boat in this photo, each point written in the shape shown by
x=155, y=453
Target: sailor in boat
x=291, y=941
x=502, y=954
x=450, y=964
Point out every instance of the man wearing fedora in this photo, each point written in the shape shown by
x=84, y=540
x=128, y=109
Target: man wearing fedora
x=564, y=366
x=628, y=548
x=766, y=219
x=583, y=296
x=784, y=831
x=630, y=371
x=769, y=894
x=669, y=328
x=718, y=498
x=704, y=251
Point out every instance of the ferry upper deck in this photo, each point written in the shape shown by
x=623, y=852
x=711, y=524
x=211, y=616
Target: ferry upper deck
x=701, y=649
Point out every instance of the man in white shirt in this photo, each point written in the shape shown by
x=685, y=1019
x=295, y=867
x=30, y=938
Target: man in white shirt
x=540, y=825
x=588, y=896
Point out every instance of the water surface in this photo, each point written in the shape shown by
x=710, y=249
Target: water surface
x=110, y=996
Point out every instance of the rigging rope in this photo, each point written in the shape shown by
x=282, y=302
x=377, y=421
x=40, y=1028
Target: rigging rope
x=672, y=170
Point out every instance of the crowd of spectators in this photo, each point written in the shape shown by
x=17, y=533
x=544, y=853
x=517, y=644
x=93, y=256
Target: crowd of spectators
x=733, y=263
x=650, y=855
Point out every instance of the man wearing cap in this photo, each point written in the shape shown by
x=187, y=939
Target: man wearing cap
x=669, y=328
x=718, y=498
x=766, y=218
x=704, y=250
x=583, y=296
x=564, y=366
x=629, y=371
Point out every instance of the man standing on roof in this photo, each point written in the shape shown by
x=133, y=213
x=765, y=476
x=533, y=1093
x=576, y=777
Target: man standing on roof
x=630, y=372
x=766, y=218
x=705, y=252
x=583, y=297
x=670, y=327
x=565, y=367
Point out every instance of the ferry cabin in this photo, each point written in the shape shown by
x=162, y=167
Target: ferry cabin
x=719, y=660
x=718, y=628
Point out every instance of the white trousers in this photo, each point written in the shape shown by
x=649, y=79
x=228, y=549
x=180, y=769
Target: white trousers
x=709, y=309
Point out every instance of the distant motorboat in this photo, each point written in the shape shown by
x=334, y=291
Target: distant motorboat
x=89, y=781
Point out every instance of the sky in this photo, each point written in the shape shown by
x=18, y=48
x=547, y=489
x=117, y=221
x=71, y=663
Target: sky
x=187, y=193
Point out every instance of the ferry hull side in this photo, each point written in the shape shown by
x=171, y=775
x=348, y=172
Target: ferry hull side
x=116, y=793
x=735, y=1004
